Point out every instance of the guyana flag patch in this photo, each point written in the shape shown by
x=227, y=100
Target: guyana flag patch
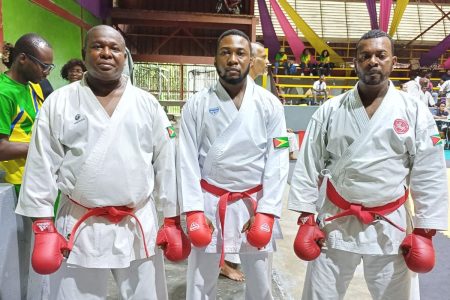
x=171, y=132
x=436, y=140
x=281, y=142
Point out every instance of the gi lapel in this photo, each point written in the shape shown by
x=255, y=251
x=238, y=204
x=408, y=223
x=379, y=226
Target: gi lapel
x=232, y=128
x=88, y=173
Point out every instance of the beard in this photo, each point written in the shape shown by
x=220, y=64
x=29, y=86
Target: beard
x=233, y=81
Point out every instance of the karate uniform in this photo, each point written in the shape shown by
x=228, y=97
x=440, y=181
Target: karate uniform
x=370, y=162
x=234, y=150
x=96, y=160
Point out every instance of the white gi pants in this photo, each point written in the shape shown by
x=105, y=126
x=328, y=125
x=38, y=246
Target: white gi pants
x=203, y=270
x=328, y=276
x=138, y=281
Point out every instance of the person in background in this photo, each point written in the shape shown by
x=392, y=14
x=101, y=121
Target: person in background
x=320, y=89
x=324, y=64
x=307, y=61
x=369, y=148
x=280, y=60
x=440, y=115
x=29, y=62
x=73, y=70
x=446, y=75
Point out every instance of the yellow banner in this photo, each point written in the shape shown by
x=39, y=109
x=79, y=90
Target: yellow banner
x=398, y=15
x=309, y=34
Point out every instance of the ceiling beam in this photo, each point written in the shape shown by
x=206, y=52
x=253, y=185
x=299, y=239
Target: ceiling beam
x=174, y=59
x=440, y=9
x=59, y=11
x=431, y=26
x=135, y=16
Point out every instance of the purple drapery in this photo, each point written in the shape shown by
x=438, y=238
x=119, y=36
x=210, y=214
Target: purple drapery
x=99, y=8
x=447, y=64
x=385, y=13
x=294, y=41
x=372, y=8
x=269, y=35
x=432, y=56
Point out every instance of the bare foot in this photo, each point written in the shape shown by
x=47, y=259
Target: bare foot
x=231, y=272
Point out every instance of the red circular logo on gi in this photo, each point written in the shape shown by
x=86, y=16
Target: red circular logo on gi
x=401, y=126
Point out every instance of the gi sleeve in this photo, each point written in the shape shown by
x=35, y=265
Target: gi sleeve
x=428, y=177
x=191, y=195
x=45, y=155
x=277, y=163
x=164, y=166
x=304, y=191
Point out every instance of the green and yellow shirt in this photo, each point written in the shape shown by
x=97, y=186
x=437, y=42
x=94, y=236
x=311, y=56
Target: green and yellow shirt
x=19, y=104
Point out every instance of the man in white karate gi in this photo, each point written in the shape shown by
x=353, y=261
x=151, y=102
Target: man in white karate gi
x=233, y=168
x=369, y=147
x=108, y=147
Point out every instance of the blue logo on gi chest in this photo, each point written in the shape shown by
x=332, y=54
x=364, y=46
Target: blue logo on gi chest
x=214, y=111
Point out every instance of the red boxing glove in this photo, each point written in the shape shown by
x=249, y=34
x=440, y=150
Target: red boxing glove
x=260, y=231
x=198, y=230
x=48, y=246
x=418, y=250
x=309, y=239
x=171, y=238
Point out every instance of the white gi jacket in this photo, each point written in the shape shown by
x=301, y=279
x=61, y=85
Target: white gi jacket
x=232, y=149
x=98, y=160
x=372, y=162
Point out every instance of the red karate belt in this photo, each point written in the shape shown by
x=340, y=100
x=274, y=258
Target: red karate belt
x=114, y=214
x=225, y=197
x=365, y=214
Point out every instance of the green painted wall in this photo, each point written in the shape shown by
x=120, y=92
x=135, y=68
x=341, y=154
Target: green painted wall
x=23, y=16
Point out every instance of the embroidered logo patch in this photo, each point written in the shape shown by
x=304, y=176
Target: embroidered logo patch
x=214, y=111
x=281, y=142
x=401, y=126
x=171, y=132
x=265, y=227
x=436, y=140
x=44, y=226
x=194, y=226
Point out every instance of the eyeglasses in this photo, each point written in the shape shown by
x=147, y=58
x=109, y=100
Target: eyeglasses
x=47, y=68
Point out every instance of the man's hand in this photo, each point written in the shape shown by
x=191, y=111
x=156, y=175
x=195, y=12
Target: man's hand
x=309, y=239
x=259, y=229
x=418, y=250
x=171, y=238
x=199, y=228
x=48, y=247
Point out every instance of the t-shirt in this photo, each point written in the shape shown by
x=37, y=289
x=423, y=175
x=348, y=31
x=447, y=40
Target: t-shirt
x=281, y=57
x=19, y=104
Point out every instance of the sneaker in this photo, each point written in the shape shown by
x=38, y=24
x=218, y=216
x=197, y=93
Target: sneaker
x=303, y=74
x=310, y=74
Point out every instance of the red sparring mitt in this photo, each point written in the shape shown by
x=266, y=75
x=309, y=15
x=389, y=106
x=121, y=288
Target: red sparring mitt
x=418, y=250
x=172, y=240
x=48, y=247
x=198, y=229
x=309, y=239
x=260, y=231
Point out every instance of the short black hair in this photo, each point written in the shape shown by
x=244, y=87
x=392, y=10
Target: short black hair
x=28, y=43
x=234, y=32
x=69, y=65
x=376, y=33
x=323, y=51
x=100, y=27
